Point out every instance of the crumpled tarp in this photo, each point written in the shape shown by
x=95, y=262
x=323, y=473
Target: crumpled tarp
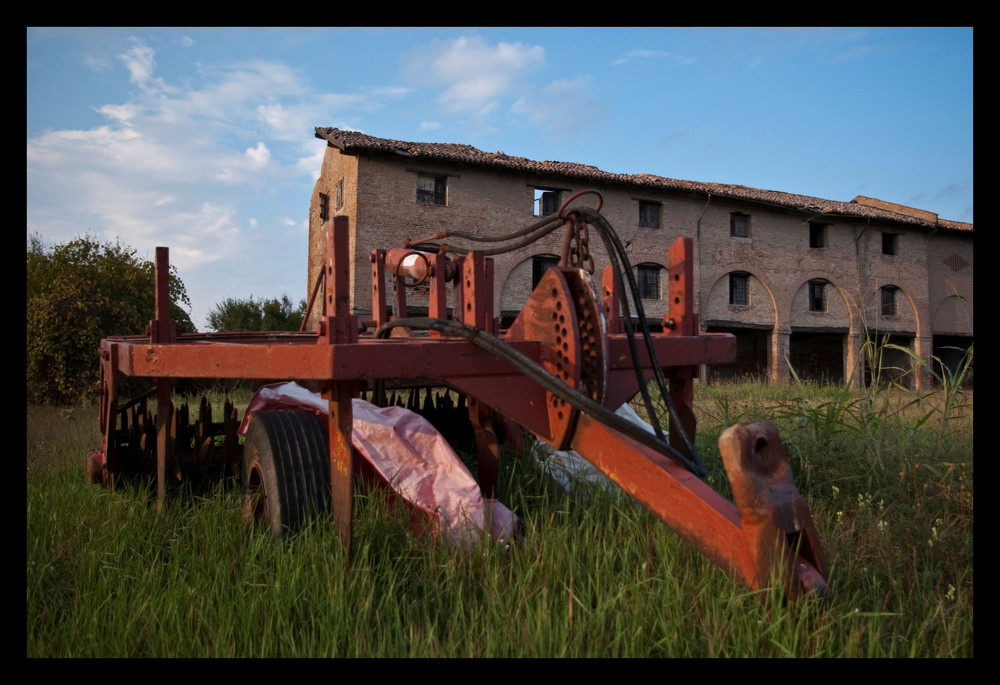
x=568, y=468
x=411, y=457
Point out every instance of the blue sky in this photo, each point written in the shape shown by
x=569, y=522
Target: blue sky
x=201, y=139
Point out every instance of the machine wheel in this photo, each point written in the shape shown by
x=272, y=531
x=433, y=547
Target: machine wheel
x=286, y=470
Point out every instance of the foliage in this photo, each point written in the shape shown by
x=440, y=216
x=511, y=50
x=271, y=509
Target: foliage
x=78, y=293
x=253, y=314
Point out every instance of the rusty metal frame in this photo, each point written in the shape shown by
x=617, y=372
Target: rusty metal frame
x=569, y=330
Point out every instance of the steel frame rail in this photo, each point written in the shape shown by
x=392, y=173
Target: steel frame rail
x=767, y=536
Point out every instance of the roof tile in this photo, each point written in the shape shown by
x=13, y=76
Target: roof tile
x=354, y=141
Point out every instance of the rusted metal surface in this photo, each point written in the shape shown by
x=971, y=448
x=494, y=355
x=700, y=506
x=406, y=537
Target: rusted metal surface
x=559, y=372
x=487, y=447
x=339, y=327
x=292, y=356
x=162, y=332
x=777, y=525
x=418, y=266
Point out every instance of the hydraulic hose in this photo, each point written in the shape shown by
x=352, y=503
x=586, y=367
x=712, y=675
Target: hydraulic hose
x=535, y=371
x=623, y=275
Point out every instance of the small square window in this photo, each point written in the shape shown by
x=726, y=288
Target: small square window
x=539, y=265
x=432, y=190
x=739, y=290
x=739, y=225
x=649, y=281
x=887, y=301
x=546, y=202
x=324, y=207
x=817, y=235
x=340, y=194
x=890, y=243
x=649, y=214
x=817, y=296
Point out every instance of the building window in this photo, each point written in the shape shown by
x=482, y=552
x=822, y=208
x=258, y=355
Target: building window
x=817, y=235
x=546, y=201
x=817, y=296
x=649, y=281
x=887, y=301
x=649, y=214
x=739, y=225
x=340, y=194
x=432, y=190
x=539, y=265
x=324, y=207
x=890, y=243
x=739, y=289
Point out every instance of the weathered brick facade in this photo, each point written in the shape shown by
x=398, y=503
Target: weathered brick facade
x=798, y=279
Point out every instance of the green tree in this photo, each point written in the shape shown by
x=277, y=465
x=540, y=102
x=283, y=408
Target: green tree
x=78, y=293
x=252, y=314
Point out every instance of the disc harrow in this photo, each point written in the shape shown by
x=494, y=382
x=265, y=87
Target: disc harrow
x=197, y=448
x=579, y=349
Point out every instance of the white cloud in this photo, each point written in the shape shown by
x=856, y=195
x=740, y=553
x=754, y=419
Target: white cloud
x=259, y=156
x=474, y=74
x=289, y=121
x=660, y=56
x=280, y=119
x=96, y=62
x=104, y=147
x=244, y=168
x=185, y=168
x=391, y=92
x=140, y=62
x=122, y=113
x=567, y=109
x=312, y=164
x=206, y=162
x=168, y=143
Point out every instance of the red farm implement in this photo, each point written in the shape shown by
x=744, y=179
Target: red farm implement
x=575, y=353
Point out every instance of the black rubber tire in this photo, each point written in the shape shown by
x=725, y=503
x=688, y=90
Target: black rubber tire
x=286, y=470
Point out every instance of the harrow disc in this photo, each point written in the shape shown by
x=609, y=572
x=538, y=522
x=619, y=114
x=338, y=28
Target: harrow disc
x=194, y=449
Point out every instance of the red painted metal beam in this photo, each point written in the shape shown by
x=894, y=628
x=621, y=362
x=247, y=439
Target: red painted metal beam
x=338, y=327
x=692, y=509
x=162, y=332
x=369, y=358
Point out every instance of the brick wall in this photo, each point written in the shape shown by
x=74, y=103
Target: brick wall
x=930, y=272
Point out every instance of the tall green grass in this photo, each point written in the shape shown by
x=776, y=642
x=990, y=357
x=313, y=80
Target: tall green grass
x=597, y=576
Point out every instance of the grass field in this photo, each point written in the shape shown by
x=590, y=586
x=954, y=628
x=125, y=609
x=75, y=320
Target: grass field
x=887, y=474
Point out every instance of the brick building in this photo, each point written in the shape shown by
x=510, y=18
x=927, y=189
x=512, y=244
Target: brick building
x=795, y=278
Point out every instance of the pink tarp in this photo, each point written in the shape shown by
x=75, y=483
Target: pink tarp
x=409, y=455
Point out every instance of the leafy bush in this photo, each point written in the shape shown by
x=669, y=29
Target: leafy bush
x=78, y=293
x=251, y=314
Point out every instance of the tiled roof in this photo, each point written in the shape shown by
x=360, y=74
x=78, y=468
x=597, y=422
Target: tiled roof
x=353, y=142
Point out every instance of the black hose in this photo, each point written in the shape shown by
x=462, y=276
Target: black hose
x=620, y=265
x=535, y=371
x=535, y=231
x=616, y=252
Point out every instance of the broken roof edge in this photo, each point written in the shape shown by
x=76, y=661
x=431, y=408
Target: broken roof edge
x=352, y=142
